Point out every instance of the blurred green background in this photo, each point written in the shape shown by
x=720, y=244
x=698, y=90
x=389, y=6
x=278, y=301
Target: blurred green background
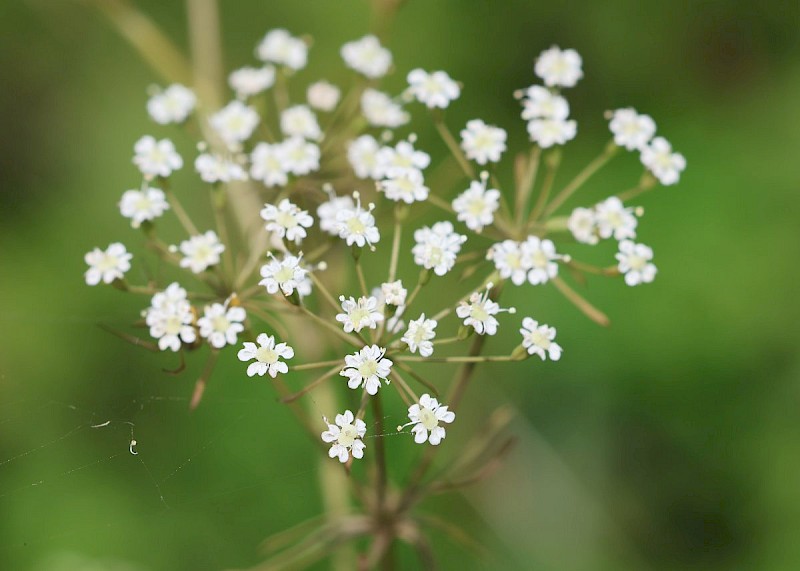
x=670, y=440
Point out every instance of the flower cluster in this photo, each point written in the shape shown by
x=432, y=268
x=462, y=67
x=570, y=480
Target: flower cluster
x=304, y=168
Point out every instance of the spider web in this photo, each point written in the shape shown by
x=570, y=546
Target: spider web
x=102, y=442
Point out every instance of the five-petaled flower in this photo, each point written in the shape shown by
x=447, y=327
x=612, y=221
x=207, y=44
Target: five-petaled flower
x=267, y=355
x=366, y=367
x=345, y=437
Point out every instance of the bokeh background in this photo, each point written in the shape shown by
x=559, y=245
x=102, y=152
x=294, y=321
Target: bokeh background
x=670, y=440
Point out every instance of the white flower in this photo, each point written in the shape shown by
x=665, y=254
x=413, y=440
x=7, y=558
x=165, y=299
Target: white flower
x=357, y=226
x=614, y=219
x=280, y=47
x=287, y=220
x=434, y=89
x=173, y=295
x=300, y=121
x=299, y=156
x=394, y=293
x=437, y=247
x=380, y=110
x=221, y=324
x=268, y=164
x=483, y=143
x=323, y=95
x=173, y=105
x=419, y=335
x=631, y=129
x=143, y=205
x=476, y=205
x=479, y=312
x=403, y=157
x=234, y=123
x=328, y=211
x=426, y=418
x=170, y=318
x=366, y=368
x=214, y=168
x=249, y=81
x=559, y=68
x=366, y=312
x=156, y=158
x=200, y=252
x=665, y=165
x=549, y=132
x=541, y=103
x=407, y=185
x=267, y=356
x=583, y=225
x=539, y=340
x=367, y=56
x=510, y=261
x=362, y=154
x=634, y=262
x=345, y=437
x=108, y=265
x=542, y=256
x=286, y=274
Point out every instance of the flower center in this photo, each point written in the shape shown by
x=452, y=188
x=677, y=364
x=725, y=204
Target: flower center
x=513, y=260
x=266, y=355
x=347, y=435
x=479, y=312
x=355, y=226
x=615, y=219
x=107, y=262
x=476, y=206
x=539, y=259
x=636, y=262
x=173, y=325
x=427, y=418
x=220, y=323
x=358, y=315
x=143, y=203
x=286, y=219
x=284, y=274
x=540, y=339
x=202, y=253
x=419, y=335
x=368, y=368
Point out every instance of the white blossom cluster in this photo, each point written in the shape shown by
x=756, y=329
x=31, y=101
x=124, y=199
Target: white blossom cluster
x=311, y=210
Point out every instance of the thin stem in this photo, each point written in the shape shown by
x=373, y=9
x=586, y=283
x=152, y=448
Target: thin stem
x=218, y=198
x=326, y=294
x=418, y=378
x=183, y=217
x=317, y=365
x=441, y=203
x=331, y=327
x=406, y=393
x=380, y=451
x=526, y=185
x=455, y=359
x=395, y=250
x=153, y=45
x=609, y=151
x=452, y=144
x=206, y=49
x=590, y=269
x=200, y=385
x=581, y=303
x=312, y=385
x=361, y=280
x=552, y=161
